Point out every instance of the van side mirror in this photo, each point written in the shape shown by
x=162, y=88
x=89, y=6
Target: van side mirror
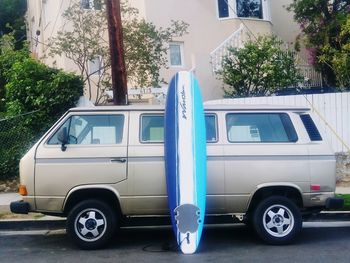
x=62, y=137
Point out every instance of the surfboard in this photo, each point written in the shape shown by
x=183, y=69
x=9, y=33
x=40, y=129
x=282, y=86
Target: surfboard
x=185, y=159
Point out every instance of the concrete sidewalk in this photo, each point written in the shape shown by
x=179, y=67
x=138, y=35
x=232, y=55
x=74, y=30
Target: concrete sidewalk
x=6, y=199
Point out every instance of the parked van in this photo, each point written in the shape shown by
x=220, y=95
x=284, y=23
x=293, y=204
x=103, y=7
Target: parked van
x=266, y=165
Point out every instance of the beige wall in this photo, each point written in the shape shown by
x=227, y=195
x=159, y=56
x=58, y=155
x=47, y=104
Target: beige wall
x=45, y=16
x=205, y=33
x=283, y=22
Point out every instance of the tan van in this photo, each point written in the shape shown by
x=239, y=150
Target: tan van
x=266, y=165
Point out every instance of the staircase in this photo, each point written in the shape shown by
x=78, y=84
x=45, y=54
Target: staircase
x=312, y=78
x=235, y=40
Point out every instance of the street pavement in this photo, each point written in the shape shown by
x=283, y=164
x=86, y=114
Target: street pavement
x=324, y=238
x=224, y=244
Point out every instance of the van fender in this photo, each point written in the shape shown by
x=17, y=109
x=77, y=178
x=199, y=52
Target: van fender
x=275, y=188
x=90, y=187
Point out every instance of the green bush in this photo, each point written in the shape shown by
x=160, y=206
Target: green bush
x=30, y=87
x=8, y=56
x=15, y=140
x=33, y=86
x=258, y=69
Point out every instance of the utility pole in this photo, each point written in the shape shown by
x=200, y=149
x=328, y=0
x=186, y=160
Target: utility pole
x=119, y=83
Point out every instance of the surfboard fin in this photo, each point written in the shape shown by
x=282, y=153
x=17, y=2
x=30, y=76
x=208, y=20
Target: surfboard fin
x=187, y=218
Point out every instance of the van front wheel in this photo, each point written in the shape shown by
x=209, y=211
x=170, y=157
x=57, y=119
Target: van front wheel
x=277, y=220
x=91, y=224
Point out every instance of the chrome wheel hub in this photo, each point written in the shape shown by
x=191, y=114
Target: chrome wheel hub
x=90, y=224
x=278, y=220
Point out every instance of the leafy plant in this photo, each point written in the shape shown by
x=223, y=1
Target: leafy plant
x=323, y=24
x=83, y=44
x=338, y=59
x=258, y=69
x=33, y=86
x=8, y=55
x=15, y=139
x=12, y=20
x=36, y=96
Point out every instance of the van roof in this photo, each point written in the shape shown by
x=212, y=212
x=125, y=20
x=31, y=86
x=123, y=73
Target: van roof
x=207, y=106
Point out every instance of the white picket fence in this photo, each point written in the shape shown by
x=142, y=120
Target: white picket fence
x=332, y=112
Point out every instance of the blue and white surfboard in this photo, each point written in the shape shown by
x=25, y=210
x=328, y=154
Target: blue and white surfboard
x=185, y=159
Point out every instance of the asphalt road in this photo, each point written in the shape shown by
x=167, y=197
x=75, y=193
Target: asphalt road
x=219, y=244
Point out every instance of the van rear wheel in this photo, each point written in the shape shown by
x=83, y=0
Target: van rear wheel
x=91, y=224
x=277, y=220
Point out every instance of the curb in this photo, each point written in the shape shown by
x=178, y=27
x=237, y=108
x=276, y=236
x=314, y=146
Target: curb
x=329, y=216
x=32, y=224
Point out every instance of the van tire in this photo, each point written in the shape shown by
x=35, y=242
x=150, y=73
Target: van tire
x=91, y=224
x=277, y=220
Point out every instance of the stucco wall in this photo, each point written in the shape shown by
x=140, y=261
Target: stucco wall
x=283, y=22
x=205, y=33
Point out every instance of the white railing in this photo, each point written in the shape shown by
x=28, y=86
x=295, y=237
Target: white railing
x=235, y=40
x=312, y=78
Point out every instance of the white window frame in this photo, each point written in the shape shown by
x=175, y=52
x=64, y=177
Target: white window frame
x=98, y=72
x=182, y=57
x=232, y=11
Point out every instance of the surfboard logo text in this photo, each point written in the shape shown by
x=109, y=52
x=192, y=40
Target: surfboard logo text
x=183, y=104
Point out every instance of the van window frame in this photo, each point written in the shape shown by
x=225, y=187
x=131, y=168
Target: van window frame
x=163, y=115
x=140, y=128
x=69, y=118
x=264, y=142
x=216, y=126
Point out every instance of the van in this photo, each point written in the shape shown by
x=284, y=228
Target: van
x=266, y=165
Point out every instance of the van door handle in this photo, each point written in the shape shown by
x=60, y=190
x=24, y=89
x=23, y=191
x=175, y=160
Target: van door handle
x=118, y=160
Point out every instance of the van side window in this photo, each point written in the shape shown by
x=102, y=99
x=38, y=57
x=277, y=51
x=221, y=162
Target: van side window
x=93, y=129
x=310, y=127
x=152, y=128
x=260, y=127
x=211, y=127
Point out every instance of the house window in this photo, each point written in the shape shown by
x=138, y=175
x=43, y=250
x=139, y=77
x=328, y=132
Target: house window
x=96, y=66
x=249, y=8
x=176, y=54
x=243, y=8
x=223, y=8
x=91, y=4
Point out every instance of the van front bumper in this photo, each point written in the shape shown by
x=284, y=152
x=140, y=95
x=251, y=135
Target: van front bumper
x=20, y=207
